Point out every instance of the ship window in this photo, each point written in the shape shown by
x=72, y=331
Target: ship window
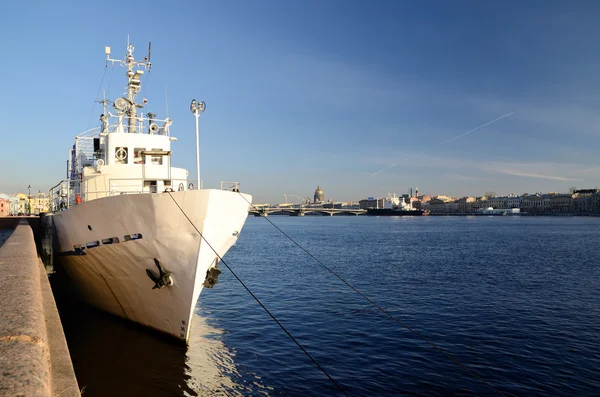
x=137, y=155
x=152, y=186
x=93, y=244
x=121, y=155
x=133, y=236
x=112, y=240
x=157, y=160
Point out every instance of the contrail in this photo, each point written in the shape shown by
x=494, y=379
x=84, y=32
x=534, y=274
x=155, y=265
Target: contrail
x=449, y=140
x=475, y=129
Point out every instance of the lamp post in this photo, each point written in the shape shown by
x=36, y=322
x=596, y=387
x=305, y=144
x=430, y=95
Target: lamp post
x=197, y=108
x=29, y=201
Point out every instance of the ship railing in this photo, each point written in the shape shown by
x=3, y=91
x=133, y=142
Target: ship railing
x=230, y=186
x=65, y=194
x=141, y=125
x=70, y=192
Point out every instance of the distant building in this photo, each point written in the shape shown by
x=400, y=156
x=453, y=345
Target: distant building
x=39, y=203
x=561, y=203
x=24, y=206
x=450, y=207
x=436, y=206
x=497, y=202
x=596, y=202
x=464, y=204
x=537, y=204
x=4, y=207
x=514, y=202
x=371, y=203
x=319, y=196
x=14, y=205
x=586, y=201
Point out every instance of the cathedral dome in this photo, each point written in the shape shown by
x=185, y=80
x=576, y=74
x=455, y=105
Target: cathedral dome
x=319, y=195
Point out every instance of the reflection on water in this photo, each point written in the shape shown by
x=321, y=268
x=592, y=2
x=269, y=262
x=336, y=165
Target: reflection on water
x=115, y=358
x=211, y=367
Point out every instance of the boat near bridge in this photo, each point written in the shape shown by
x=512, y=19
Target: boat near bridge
x=394, y=206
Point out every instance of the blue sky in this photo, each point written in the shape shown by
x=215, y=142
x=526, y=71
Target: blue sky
x=307, y=93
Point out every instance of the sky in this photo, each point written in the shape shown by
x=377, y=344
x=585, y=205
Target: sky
x=360, y=98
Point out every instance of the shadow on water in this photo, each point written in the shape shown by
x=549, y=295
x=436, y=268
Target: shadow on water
x=113, y=357
x=4, y=235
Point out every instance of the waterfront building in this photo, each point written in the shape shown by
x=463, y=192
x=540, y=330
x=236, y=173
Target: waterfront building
x=586, y=201
x=582, y=203
x=450, y=207
x=39, y=203
x=23, y=207
x=537, y=204
x=513, y=201
x=371, y=203
x=561, y=203
x=4, y=207
x=477, y=204
x=464, y=204
x=436, y=206
x=424, y=198
x=497, y=202
x=415, y=203
x=596, y=202
x=14, y=205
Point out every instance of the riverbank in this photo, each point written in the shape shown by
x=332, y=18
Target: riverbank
x=34, y=357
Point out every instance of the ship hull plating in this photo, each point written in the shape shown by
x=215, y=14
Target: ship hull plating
x=107, y=247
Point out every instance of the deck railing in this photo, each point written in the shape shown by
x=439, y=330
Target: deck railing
x=69, y=192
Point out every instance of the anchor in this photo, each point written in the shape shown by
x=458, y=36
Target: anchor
x=164, y=277
x=212, y=275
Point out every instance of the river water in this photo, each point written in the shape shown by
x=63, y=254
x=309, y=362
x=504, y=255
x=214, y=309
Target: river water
x=4, y=235
x=515, y=299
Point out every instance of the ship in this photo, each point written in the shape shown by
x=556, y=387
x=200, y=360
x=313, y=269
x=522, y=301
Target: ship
x=135, y=237
x=393, y=206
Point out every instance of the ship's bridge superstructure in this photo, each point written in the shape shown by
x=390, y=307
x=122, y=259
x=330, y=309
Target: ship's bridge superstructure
x=128, y=153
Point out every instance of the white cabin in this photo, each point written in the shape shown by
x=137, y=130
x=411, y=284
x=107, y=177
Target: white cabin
x=127, y=154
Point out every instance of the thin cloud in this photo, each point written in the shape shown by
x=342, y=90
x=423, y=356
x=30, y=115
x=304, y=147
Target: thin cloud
x=462, y=177
x=532, y=175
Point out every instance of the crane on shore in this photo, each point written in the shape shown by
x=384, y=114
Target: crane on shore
x=305, y=200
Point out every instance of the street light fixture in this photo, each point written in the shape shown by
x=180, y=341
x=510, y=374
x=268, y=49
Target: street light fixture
x=29, y=201
x=197, y=108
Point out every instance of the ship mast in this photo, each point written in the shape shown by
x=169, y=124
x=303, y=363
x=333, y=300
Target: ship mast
x=135, y=70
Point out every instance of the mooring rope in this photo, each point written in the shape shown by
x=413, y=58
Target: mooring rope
x=414, y=332
x=258, y=300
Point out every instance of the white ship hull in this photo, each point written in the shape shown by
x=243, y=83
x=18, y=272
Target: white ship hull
x=113, y=275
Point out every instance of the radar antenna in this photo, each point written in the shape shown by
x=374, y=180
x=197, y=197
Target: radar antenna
x=134, y=83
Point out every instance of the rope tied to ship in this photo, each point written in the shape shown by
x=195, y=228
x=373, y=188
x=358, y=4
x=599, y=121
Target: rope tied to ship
x=387, y=313
x=339, y=387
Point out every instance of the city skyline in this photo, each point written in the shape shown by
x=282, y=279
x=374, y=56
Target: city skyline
x=361, y=99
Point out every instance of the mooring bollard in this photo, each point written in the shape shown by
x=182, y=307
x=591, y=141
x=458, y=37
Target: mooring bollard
x=47, y=226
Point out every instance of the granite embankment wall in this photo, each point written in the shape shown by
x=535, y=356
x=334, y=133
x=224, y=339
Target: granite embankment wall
x=34, y=357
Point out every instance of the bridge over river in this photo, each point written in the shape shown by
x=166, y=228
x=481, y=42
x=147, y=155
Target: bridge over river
x=301, y=211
